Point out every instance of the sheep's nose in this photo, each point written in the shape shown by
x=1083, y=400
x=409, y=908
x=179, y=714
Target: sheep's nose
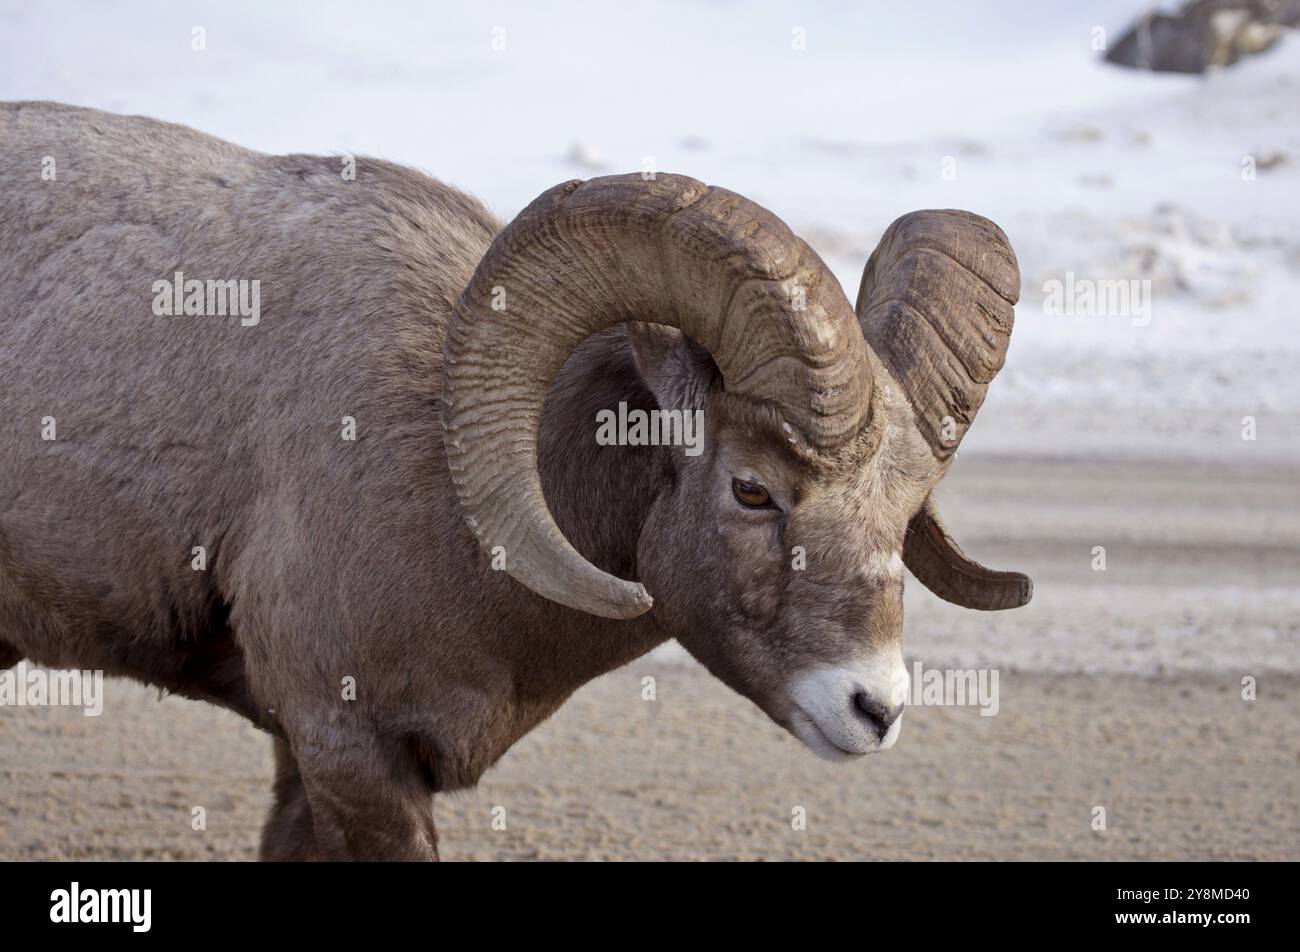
x=876, y=713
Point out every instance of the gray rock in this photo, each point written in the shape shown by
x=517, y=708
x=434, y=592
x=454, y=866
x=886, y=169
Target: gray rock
x=1204, y=34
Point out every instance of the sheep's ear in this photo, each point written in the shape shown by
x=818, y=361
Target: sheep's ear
x=679, y=372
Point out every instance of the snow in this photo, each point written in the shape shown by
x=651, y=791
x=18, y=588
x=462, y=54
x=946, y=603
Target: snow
x=1107, y=173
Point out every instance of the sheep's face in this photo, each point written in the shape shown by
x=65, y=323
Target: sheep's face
x=781, y=571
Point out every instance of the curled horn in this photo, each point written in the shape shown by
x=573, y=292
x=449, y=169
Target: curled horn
x=941, y=566
x=587, y=255
x=936, y=305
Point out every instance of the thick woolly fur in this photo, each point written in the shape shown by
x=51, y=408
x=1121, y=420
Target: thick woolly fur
x=330, y=559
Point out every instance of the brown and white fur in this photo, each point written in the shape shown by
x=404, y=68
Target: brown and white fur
x=330, y=559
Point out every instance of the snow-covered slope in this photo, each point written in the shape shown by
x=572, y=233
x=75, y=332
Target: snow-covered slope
x=838, y=119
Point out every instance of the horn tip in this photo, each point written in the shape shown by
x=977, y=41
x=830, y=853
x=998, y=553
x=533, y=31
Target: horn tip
x=633, y=601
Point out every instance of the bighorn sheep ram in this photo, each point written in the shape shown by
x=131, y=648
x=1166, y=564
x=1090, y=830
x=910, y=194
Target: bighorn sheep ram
x=473, y=361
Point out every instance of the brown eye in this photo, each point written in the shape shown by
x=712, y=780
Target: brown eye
x=750, y=495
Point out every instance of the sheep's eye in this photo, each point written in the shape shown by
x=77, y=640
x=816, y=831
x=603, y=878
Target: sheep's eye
x=750, y=495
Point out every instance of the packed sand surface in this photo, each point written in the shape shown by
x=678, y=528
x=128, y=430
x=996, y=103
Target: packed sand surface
x=1183, y=768
x=1118, y=689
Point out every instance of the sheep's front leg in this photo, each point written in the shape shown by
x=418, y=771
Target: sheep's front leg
x=289, y=835
x=366, y=803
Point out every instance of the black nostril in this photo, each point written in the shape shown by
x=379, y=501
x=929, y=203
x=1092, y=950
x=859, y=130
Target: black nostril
x=880, y=717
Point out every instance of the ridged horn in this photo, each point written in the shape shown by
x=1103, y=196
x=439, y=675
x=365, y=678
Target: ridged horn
x=587, y=255
x=941, y=566
x=936, y=305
